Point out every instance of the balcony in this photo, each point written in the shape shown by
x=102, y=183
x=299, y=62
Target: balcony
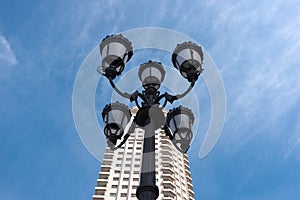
x=101, y=183
x=166, y=159
x=167, y=165
x=100, y=191
x=104, y=175
x=169, y=193
x=167, y=171
x=168, y=184
x=166, y=152
x=106, y=162
x=190, y=188
x=168, y=177
x=191, y=194
x=187, y=166
x=98, y=197
x=188, y=178
x=190, y=185
x=188, y=172
x=108, y=156
x=105, y=169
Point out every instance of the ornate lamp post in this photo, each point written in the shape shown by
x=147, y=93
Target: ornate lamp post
x=187, y=57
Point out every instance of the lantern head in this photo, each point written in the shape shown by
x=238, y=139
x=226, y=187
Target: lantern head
x=179, y=127
x=115, y=116
x=151, y=74
x=116, y=51
x=188, y=59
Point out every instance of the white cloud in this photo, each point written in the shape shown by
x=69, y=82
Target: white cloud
x=7, y=56
x=255, y=48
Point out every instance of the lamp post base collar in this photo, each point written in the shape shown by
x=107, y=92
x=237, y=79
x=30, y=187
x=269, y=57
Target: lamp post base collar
x=147, y=192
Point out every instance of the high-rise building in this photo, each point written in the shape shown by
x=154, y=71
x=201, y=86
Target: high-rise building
x=120, y=170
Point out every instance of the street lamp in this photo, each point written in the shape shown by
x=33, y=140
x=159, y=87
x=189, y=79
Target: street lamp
x=116, y=51
x=151, y=74
x=179, y=127
x=187, y=57
x=115, y=116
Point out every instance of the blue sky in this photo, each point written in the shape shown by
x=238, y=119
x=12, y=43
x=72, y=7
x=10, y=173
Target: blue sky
x=254, y=44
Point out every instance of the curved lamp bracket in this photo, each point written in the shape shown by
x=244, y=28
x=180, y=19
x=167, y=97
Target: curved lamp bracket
x=127, y=131
x=171, y=98
x=122, y=94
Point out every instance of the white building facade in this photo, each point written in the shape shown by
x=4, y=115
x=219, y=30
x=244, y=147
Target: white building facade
x=120, y=170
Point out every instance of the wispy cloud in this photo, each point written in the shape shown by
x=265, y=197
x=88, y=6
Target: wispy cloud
x=258, y=61
x=7, y=56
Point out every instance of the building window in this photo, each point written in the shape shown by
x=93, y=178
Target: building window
x=134, y=187
x=125, y=179
x=112, y=194
x=124, y=186
x=135, y=179
x=115, y=179
x=114, y=186
x=123, y=195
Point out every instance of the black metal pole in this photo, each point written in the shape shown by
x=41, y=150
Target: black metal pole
x=147, y=189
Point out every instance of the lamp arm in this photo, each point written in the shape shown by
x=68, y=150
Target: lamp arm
x=124, y=140
x=171, y=98
x=134, y=97
x=127, y=134
x=122, y=94
x=168, y=131
x=125, y=137
x=113, y=147
x=179, y=96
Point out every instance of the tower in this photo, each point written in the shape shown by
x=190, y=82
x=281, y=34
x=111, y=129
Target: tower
x=120, y=170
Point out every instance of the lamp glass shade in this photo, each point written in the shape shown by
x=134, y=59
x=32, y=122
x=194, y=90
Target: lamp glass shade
x=116, y=51
x=180, y=121
x=115, y=116
x=151, y=74
x=188, y=58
